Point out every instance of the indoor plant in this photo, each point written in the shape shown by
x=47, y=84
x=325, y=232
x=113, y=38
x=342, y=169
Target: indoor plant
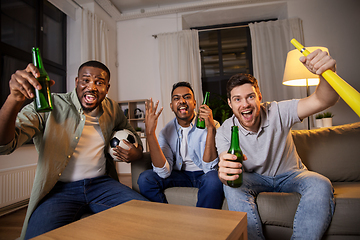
x=327, y=119
x=318, y=120
x=220, y=107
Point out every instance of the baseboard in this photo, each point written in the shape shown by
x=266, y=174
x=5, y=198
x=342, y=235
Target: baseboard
x=13, y=207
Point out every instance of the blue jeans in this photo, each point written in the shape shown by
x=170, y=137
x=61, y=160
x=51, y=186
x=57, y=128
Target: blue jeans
x=67, y=202
x=313, y=214
x=210, y=194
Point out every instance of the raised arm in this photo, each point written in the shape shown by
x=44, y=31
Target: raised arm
x=21, y=86
x=151, y=117
x=324, y=96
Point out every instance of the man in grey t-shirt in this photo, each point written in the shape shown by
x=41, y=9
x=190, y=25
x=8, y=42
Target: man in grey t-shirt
x=272, y=163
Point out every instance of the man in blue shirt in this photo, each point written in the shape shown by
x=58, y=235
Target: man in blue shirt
x=184, y=155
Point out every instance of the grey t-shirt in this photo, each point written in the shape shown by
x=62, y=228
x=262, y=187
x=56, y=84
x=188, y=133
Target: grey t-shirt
x=270, y=151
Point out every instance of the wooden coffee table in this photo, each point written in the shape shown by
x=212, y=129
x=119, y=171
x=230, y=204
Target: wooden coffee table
x=148, y=220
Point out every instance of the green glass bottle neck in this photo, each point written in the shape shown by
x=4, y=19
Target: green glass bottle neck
x=37, y=61
x=206, y=99
x=235, y=138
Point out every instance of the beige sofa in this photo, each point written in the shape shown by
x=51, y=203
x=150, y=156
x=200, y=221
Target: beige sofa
x=333, y=152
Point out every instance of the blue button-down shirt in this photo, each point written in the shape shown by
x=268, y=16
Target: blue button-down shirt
x=170, y=139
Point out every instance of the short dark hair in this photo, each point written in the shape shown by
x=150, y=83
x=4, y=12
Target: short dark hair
x=96, y=64
x=240, y=79
x=181, y=84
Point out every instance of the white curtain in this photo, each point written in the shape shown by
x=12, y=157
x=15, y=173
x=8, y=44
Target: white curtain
x=270, y=44
x=179, y=61
x=94, y=38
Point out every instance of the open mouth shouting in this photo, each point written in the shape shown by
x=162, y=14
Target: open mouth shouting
x=247, y=114
x=183, y=109
x=90, y=98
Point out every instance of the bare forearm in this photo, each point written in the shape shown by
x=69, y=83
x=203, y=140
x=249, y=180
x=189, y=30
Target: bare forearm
x=8, y=114
x=326, y=94
x=324, y=97
x=210, y=152
x=157, y=156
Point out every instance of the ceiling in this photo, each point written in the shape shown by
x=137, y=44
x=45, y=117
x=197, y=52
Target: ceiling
x=130, y=9
x=136, y=5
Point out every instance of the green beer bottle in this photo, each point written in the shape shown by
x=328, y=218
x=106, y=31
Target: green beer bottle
x=42, y=99
x=235, y=149
x=201, y=123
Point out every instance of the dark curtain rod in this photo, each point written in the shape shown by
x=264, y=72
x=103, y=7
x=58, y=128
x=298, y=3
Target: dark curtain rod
x=212, y=29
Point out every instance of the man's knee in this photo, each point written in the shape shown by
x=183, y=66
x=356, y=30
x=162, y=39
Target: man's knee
x=317, y=186
x=211, y=179
x=146, y=179
x=319, y=182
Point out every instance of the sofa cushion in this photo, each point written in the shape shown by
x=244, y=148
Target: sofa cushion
x=186, y=196
x=137, y=167
x=346, y=218
x=279, y=209
x=331, y=152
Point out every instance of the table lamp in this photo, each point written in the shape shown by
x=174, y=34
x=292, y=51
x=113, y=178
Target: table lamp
x=296, y=74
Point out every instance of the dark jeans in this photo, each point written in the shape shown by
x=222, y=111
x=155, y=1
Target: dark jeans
x=210, y=194
x=67, y=202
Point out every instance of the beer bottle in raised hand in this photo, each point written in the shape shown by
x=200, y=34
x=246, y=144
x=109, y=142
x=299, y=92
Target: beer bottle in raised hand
x=42, y=101
x=235, y=149
x=201, y=123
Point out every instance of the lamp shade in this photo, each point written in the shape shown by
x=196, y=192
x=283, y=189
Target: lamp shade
x=296, y=74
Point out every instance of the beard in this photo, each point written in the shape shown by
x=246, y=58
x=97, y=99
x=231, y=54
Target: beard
x=88, y=109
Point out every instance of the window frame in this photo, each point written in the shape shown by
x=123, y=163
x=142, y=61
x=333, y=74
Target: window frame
x=218, y=102
x=26, y=56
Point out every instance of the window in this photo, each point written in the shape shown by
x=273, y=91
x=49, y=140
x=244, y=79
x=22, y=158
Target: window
x=225, y=50
x=29, y=23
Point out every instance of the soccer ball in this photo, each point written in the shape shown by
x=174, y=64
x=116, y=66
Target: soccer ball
x=117, y=140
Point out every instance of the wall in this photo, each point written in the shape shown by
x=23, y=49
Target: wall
x=324, y=21
x=138, y=57
x=24, y=156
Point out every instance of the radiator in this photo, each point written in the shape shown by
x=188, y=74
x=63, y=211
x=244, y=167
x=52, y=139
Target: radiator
x=16, y=184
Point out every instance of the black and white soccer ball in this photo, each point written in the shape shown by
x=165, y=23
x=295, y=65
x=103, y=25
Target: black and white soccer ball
x=117, y=140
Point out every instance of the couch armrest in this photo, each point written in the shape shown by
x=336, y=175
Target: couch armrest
x=138, y=167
